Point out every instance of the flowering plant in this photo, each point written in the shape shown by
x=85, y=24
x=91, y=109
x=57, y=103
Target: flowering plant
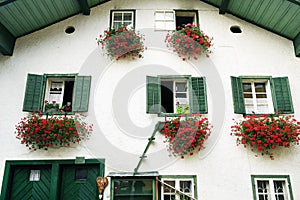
x=51, y=106
x=122, y=42
x=189, y=41
x=266, y=132
x=40, y=133
x=187, y=134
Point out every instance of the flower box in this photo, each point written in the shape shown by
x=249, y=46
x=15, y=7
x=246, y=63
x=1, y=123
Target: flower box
x=189, y=41
x=187, y=134
x=266, y=132
x=122, y=43
x=37, y=132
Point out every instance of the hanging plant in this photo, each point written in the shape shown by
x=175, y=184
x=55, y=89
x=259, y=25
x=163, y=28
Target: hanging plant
x=266, y=132
x=122, y=42
x=189, y=41
x=185, y=135
x=37, y=132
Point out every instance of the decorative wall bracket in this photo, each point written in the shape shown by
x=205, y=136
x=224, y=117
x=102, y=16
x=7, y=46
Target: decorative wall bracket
x=102, y=182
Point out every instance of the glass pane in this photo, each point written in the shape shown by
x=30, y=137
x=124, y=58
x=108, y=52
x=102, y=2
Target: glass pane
x=263, y=197
x=180, y=95
x=116, y=25
x=170, y=25
x=169, y=16
x=185, y=186
x=278, y=186
x=247, y=87
x=34, y=175
x=159, y=16
x=261, y=95
x=260, y=87
x=169, y=189
x=160, y=25
x=127, y=16
x=81, y=174
x=133, y=187
x=117, y=17
x=169, y=197
x=247, y=95
x=181, y=87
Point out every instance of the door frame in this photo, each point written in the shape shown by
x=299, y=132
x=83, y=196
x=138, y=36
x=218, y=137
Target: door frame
x=55, y=171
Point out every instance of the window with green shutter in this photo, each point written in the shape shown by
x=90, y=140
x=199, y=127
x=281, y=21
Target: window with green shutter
x=176, y=95
x=261, y=95
x=54, y=92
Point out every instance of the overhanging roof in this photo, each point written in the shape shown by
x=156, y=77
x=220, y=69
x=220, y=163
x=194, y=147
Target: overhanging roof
x=278, y=16
x=21, y=17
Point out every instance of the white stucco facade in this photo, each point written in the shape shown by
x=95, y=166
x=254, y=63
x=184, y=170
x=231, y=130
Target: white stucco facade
x=117, y=105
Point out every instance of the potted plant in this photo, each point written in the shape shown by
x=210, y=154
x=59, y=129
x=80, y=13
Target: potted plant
x=51, y=106
x=186, y=134
x=189, y=41
x=266, y=132
x=37, y=132
x=122, y=42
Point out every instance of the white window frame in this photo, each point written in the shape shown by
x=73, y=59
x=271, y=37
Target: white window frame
x=48, y=85
x=272, y=193
x=122, y=21
x=175, y=80
x=268, y=93
x=167, y=22
x=177, y=187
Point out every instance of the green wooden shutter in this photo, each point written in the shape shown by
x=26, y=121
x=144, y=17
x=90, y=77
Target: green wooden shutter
x=237, y=95
x=33, y=94
x=281, y=94
x=198, y=97
x=153, y=95
x=81, y=93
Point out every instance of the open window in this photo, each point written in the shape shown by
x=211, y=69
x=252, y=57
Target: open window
x=176, y=95
x=67, y=92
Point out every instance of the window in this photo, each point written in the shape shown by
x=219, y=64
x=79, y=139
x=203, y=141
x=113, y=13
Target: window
x=176, y=94
x=70, y=91
x=271, y=187
x=139, y=188
x=169, y=19
x=261, y=95
x=173, y=188
x=125, y=17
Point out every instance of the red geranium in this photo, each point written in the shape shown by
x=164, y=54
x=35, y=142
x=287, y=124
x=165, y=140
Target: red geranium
x=189, y=42
x=266, y=132
x=122, y=43
x=38, y=132
x=186, y=134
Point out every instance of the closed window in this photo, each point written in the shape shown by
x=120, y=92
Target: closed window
x=176, y=94
x=67, y=92
x=261, y=95
x=181, y=187
x=271, y=188
x=122, y=17
x=170, y=20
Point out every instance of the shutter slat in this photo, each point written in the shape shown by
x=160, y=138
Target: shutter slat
x=237, y=95
x=282, y=95
x=33, y=93
x=153, y=95
x=81, y=93
x=198, y=97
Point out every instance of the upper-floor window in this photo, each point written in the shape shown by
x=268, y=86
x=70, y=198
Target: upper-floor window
x=122, y=17
x=66, y=90
x=170, y=19
x=271, y=187
x=261, y=95
x=176, y=94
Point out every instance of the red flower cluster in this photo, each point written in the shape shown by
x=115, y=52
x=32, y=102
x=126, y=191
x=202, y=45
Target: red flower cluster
x=122, y=43
x=40, y=133
x=185, y=135
x=266, y=132
x=189, y=42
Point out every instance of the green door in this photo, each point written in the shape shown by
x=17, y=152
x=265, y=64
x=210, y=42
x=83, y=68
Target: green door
x=30, y=182
x=78, y=182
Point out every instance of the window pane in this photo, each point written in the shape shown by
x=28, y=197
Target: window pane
x=280, y=190
x=133, y=187
x=263, y=190
x=261, y=95
x=116, y=25
x=247, y=87
x=117, y=17
x=247, y=95
x=260, y=87
x=170, y=25
x=81, y=174
x=168, y=189
x=159, y=16
x=180, y=95
x=185, y=186
x=169, y=16
x=169, y=197
x=181, y=87
x=127, y=16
